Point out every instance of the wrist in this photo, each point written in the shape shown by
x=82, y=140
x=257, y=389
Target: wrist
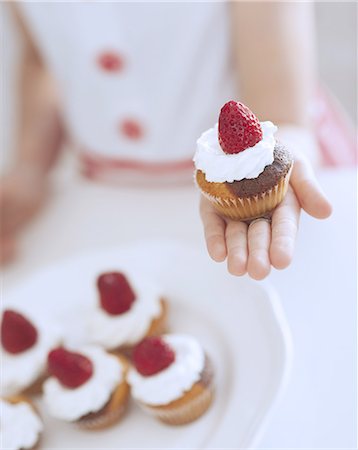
x=29, y=171
x=301, y=141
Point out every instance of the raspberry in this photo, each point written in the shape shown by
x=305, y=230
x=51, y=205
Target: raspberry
x=17, y=333
x=152, y=355
x=116, y=294
x=239, y=128
x=71, y=369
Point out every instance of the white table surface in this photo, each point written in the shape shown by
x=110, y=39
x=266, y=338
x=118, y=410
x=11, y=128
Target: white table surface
x=318, y=291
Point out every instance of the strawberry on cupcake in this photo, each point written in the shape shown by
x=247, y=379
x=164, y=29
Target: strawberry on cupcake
x=25, y=342
x=87, y=386
x=129, y=307
x=240, y=166
x=172, y=378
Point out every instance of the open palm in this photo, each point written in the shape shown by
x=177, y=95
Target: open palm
x=254, y=248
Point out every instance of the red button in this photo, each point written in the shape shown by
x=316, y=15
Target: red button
x=110, y=61
x=132, y=129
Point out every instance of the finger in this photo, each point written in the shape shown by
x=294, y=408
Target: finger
x=214, y=231
x=259, y=236
x=236, y=242
x=308, y=190
x=284, y=230
x=7, y=250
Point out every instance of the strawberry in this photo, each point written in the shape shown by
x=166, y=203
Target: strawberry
x=71, y=369
x=116, y=294
x=239, y=128
x=17, y=333
x=152, y=355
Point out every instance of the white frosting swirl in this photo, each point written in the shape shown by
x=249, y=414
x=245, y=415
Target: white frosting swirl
x=172, y=382
x=220, y=167
x=20, y=426
x=20, y=370
x=112, y=331
x=71, y=404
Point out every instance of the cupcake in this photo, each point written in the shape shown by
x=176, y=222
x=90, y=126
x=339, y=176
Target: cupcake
x=129, y=307
x=240, y=166
x=20, y=424
x=25, y=343
x=88, y=388
x=172, y=378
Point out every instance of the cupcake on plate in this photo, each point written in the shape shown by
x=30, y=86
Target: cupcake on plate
x=240, y=166
x=129, y=307
x=172, y=378
x=87, y=387
x=25, y=343
x=20, y=424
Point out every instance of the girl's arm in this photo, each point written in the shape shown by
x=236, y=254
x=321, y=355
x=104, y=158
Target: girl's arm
x=273, y=52
x=38, y=142
x=273, y=44
x=40, y=131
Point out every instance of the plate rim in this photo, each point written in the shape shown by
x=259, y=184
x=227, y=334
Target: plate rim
x=263, y=414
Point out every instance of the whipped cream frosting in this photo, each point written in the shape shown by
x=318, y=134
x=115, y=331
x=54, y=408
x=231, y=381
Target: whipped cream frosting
x=112, y=331
x=220, y=167
x=20, y=426
x=71, y=404
x=19, y=371
x=172, y=382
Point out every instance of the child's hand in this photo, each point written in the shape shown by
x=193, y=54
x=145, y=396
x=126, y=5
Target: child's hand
x=254, y=248
x=22, y=192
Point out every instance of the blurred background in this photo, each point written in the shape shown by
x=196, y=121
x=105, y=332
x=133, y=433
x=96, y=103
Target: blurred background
x=336, y=25
x=318, y=292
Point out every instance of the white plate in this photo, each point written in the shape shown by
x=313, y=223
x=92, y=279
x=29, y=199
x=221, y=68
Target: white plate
x=240, y=323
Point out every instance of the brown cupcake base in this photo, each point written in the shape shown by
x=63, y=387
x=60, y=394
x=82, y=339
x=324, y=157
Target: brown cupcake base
x=250, y=208
x=159, y=325
x=36, y=387
x=191, y=405
x=249, y=199
x=113, y=410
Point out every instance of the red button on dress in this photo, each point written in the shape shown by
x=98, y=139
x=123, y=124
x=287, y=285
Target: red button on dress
x=132, y=129
x=110, y=61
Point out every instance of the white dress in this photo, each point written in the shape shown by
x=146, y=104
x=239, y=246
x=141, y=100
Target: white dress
x=139, y=82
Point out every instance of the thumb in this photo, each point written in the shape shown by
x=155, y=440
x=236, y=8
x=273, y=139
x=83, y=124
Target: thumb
x=308, y=191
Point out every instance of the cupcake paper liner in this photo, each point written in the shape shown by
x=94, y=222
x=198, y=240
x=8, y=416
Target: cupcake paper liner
x=186, y=412
x=113, y=410
x=250, y=208
x=101, y=420
x=191, y=405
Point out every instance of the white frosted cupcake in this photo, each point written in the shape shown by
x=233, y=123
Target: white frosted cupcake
x=20, y=425
x=172, y=378
x=241, y=168
x=130, y=307
x=87, y=387
x=25, y=343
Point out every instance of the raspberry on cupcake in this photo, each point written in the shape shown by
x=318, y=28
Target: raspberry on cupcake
x=25, y=343
x=87, y=387
x=20, y=424
x=129, y=308
x=172, y=378
x=240, y=166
